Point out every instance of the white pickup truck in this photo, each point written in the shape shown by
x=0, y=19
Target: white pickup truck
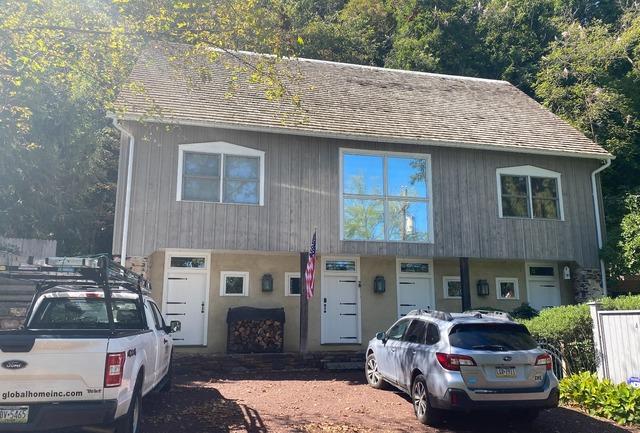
x=92, y=346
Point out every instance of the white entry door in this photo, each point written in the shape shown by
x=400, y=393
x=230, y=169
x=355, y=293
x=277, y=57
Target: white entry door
x=340, y=302
x=415, y=293
x=415, y=285
x=185, y=299
x=543, y=288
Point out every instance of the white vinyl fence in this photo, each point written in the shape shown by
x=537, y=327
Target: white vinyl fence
x=617, y=343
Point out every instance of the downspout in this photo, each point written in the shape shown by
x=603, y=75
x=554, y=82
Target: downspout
x=596, y=206
x=127, y=197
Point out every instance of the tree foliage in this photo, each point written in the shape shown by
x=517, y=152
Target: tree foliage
x=63, y=61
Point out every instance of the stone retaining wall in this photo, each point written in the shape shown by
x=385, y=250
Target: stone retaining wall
x=586, y=284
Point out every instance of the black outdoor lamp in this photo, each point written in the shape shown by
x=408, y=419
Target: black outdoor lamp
x=379, y=285
x=483, y=288
x=267, y=283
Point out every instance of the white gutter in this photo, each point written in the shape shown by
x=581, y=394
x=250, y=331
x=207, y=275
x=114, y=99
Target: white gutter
x=596, y=206
x=127, y=197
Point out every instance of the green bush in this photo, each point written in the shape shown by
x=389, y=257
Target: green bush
x=569, y=329
x=524, y=311
x=620, y=403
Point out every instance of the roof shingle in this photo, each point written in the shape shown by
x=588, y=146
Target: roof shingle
x=351, y=101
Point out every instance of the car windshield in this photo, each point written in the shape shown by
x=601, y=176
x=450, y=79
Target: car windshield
x=497, y=337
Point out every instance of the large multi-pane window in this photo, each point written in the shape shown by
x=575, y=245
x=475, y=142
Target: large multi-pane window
x=220, y=177
x=385, y=197
x=529, y=192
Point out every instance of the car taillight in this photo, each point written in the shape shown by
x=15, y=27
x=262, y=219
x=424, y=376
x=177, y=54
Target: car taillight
x=454, y=362
x=545, y=360
x=114, y=369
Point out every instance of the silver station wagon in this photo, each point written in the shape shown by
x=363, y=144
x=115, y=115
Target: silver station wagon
x=463, y=362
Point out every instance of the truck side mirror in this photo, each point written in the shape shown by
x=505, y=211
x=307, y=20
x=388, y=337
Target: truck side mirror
x=175, y=326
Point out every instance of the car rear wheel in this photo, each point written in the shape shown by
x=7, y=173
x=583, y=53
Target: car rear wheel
x=130, y=423
x=420, y=397
x=374, y=378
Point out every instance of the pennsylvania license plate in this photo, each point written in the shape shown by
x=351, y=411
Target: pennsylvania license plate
x=505, y=372
x=14, y=414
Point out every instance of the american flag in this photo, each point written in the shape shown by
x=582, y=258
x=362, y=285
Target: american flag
x=310, y=273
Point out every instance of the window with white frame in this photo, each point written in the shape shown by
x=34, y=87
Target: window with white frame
x=220, y=173
x=385, y=196
x=234, y=284
x=292, y=284
x=452, y=287
x=507, y=288
x=529, y=192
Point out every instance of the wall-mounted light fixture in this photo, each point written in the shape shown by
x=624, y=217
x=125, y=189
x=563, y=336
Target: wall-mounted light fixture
x=379, y=285
x=267, y=283
x=483, y=288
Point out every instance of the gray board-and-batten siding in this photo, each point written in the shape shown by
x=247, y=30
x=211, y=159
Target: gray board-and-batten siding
x=302, y=192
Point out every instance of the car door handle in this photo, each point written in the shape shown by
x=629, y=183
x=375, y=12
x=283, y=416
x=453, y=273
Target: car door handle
x=413, y=352
x=165, y=340
x=392, y=349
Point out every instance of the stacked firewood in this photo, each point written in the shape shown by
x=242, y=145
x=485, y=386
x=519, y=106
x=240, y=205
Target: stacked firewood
x=255, y=336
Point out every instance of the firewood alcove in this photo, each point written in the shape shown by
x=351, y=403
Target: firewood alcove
x=255, y=330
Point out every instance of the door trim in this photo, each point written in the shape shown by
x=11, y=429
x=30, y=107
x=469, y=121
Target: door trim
x=426, y=275
x=528, y=278
x=206, y=254
x=356, y=274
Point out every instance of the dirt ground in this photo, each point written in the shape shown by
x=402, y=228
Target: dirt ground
x=322, y=403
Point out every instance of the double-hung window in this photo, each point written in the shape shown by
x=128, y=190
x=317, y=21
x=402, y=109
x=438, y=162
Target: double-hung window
x=385, y=196
x=220, y=173
x=529, y=192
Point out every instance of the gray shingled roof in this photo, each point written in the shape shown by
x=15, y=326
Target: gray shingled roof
x=352, y=101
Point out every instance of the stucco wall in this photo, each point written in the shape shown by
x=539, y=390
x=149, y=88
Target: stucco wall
x=379, y=310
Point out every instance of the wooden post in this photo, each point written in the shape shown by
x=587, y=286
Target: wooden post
x=465, y=283
x=304, y=304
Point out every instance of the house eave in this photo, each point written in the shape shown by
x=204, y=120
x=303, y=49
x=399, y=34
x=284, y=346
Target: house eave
x=356, y=137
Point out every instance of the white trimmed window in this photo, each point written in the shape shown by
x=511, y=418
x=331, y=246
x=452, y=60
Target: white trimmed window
x=292, y=284
x=385, y=196
x=529, y=192
x=507, y=288
x=452, y=287
x=234, y=284
x=220, y=173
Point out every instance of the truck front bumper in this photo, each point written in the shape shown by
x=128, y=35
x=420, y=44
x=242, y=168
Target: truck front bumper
x=62, y=416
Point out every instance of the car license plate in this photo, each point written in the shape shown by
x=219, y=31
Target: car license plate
x=505, y=372
x=14, y=414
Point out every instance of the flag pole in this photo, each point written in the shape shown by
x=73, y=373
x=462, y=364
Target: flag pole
x=304, y=304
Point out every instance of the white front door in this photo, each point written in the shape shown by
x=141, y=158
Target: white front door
x=415, y=293
x=340, y=302
x=186, y=297
x=543, y=288
x=415, y=285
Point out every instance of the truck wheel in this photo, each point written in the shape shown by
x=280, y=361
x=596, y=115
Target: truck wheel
x=420, y=396
x=168, y=378
x=130, y=423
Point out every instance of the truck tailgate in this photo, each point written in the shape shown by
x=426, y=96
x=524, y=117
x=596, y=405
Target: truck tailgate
x=53, y=369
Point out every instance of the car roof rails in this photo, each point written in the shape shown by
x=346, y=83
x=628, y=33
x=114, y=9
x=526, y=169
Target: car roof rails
x=440, y=315
x=479, y=314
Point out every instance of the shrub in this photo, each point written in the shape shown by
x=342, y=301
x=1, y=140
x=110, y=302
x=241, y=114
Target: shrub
x=620, y=403
x=524, y=311
x=569, y=329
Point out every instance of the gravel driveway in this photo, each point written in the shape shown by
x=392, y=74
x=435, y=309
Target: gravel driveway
x=321, y=402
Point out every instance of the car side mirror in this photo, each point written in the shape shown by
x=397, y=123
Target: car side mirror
x=175, y=326
x=382, y=336
x=167, y=329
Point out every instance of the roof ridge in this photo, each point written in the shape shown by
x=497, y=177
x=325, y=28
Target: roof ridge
x=355, y=65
